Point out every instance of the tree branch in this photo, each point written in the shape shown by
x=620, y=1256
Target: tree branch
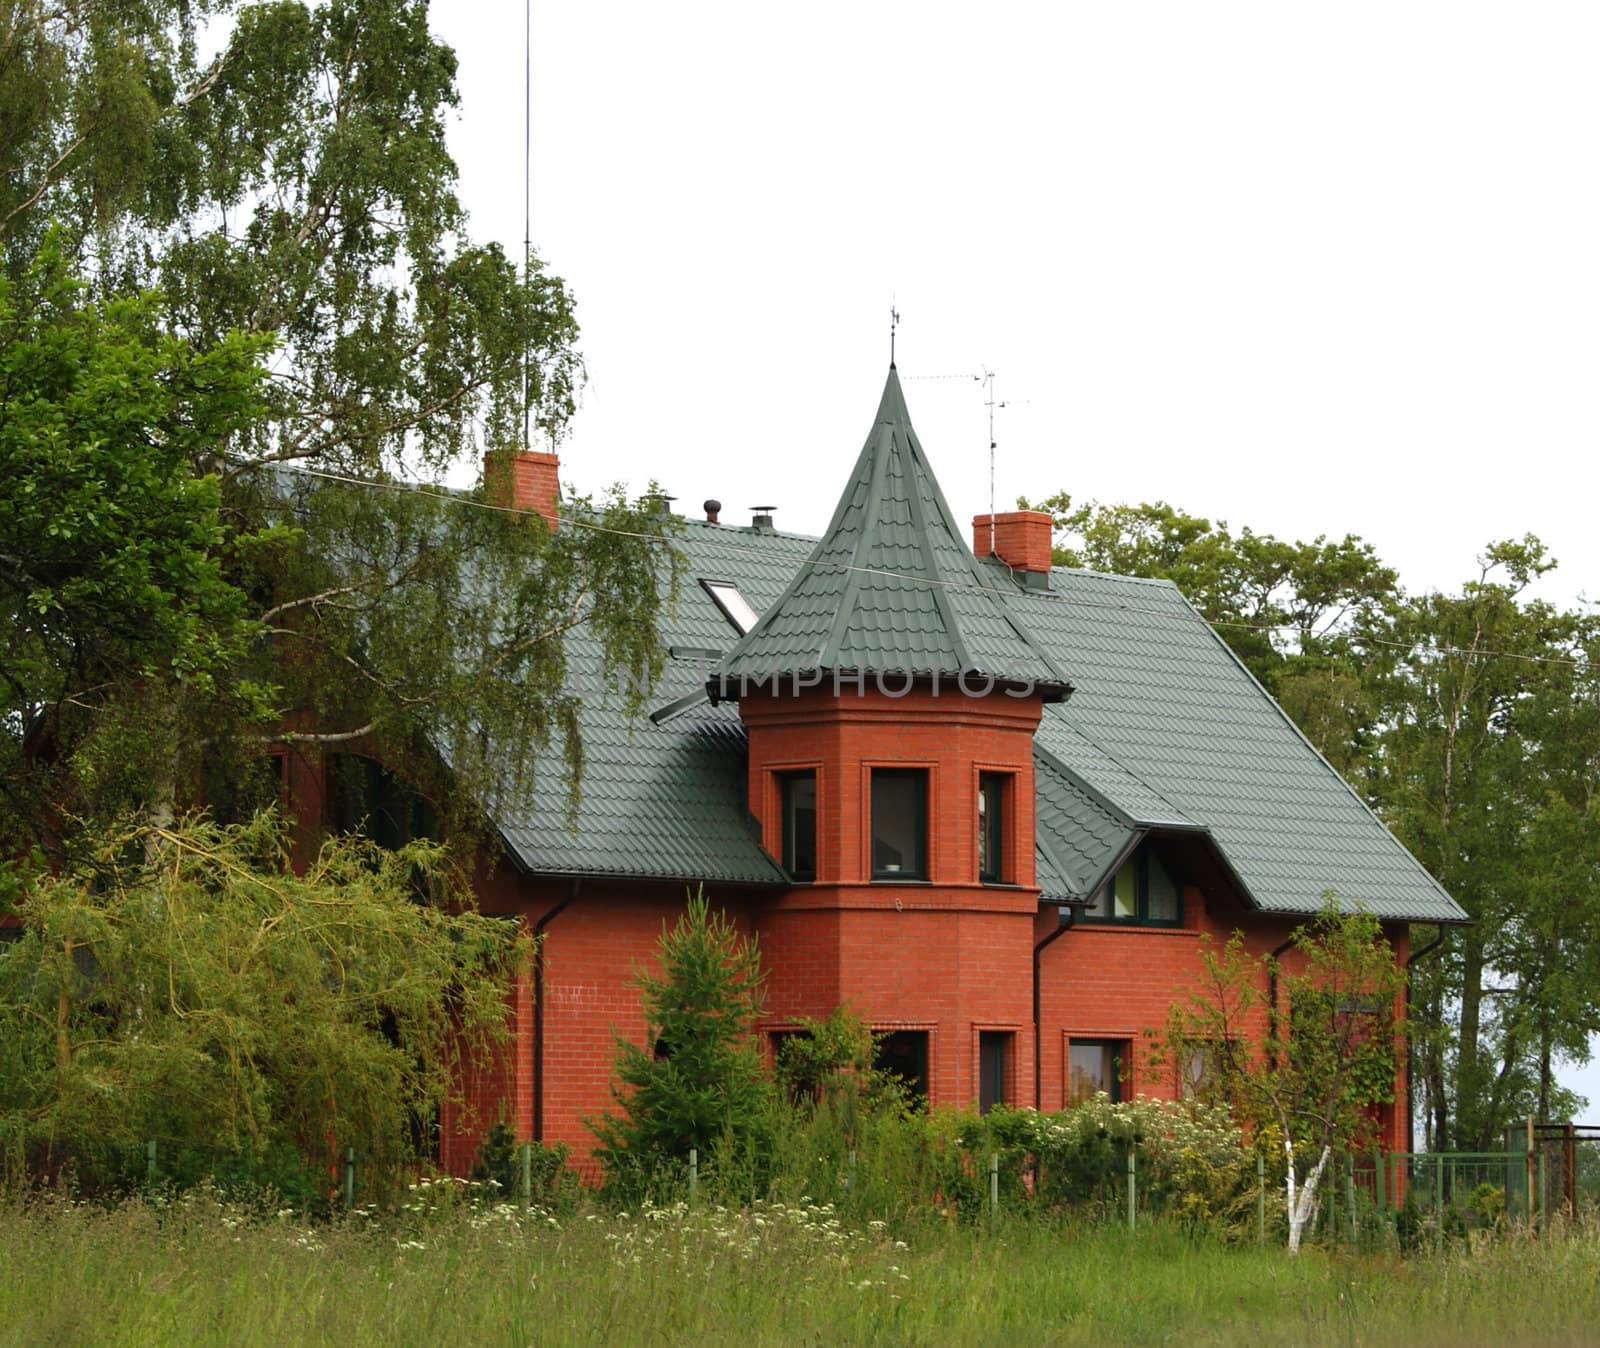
x=44, y=183
x=284, y=607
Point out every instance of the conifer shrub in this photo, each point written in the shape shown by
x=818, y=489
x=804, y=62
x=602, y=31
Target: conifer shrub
x=698, y=1082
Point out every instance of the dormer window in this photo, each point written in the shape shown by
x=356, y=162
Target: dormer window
x=735, y=607
x=1142, y=893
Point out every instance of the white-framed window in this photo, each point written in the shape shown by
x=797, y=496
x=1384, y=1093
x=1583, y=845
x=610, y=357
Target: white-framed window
x=735, y=607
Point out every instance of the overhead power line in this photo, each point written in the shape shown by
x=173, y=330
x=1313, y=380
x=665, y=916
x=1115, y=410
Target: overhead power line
x=730, y=544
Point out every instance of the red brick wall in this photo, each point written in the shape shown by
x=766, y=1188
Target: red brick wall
x=590, y=951
x=953, y=960
x=950, y=961
x=949, y=956
x=496, y=1087
x=1114, y=982
x=953, y=736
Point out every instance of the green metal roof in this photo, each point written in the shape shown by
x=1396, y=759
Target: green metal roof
x=1165, y=729
x=891, y=586
x=1079, y=834
x=663, y=799
x=1166, y=725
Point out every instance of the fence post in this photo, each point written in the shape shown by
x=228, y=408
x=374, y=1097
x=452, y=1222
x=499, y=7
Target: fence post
x=349, y=1178
x=1544, y=1212
x=527, y=1175
x=1132, y=1189
x=150, y=1162
x=1350, y=1196
x=694, y=1171
x=1530, y=1176
x=850, y=1174
x=1261, y=1199
x=1330, y=1208
x=1379, y=1202
x=994, y=1183
x=1438, y=1201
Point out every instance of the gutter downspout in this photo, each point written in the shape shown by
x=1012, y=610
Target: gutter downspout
x=1272, y=997
x=1411, y=1056
x=1038, y=1047
x=538, y=1005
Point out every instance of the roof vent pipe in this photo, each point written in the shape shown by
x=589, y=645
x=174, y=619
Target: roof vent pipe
x=713, y=508
x=761, y=520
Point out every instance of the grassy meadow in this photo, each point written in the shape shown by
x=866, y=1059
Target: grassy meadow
x=198, y=1271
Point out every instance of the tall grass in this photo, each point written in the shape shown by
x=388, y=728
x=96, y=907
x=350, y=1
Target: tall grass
x=199, y=1271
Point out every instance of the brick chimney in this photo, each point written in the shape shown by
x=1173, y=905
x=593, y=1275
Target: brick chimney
x=524, y=479
x=1021, y=539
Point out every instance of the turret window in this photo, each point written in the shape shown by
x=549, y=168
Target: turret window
x=991, y=828
x=799, y=798
x=899, y=824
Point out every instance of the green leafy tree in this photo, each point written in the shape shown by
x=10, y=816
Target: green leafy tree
x=250, y=1019
x=280, y=169
x=113, y=572
x=1312, y=1082
x=1293, y=613
x=295, y=183
x=1488, y=774
x=698, y=1080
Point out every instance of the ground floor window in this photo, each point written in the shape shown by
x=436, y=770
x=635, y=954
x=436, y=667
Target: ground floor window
x=905, y=1053
x=1095, y=1065
x=1199, y=1070
x=790, y=1059
x=994, y=1052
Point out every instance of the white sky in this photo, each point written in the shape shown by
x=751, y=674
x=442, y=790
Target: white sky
x=1318, y=269
x=1311, y=268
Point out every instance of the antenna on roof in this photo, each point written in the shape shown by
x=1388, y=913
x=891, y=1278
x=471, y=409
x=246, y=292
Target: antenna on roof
x=991, y=404
x=894, y=322
x=527, y=200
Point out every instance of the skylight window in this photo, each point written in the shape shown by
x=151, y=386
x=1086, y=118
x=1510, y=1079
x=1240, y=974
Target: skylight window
x=735, y=607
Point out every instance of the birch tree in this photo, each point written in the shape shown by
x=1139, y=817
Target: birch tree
x=279, y=169
x=1310, y=1074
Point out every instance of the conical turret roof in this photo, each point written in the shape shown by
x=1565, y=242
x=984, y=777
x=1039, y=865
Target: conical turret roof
x=892, y=587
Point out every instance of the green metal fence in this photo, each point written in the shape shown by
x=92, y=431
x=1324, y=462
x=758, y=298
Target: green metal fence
x=1421, y=1198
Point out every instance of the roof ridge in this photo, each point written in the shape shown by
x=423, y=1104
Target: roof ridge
x=940, y=594
x=828, y=652
x=1159, y=582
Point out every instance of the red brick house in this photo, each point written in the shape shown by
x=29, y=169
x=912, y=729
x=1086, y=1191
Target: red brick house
x=990, y=805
